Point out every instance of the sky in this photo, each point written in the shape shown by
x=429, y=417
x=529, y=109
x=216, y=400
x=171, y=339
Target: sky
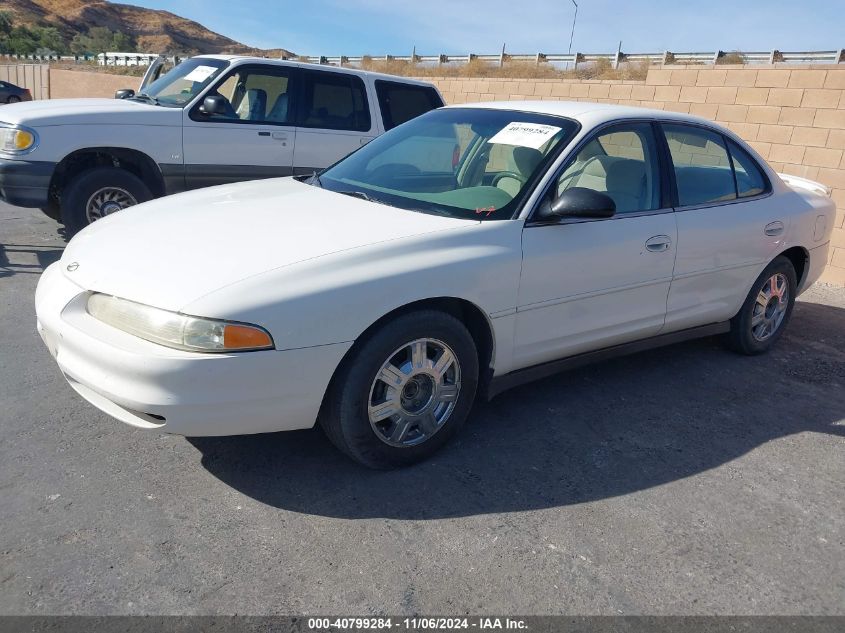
x=378, y=27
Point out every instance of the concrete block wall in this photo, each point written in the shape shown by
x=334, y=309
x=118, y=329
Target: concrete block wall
x=33, y=76
x=794, y=116
x=79, y=83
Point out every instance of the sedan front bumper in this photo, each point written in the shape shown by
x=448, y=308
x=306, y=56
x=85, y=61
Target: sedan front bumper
x=153, y=387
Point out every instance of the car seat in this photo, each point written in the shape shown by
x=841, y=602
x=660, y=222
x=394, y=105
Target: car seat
x=279, y=112
x=525, y=160
x=253, y=105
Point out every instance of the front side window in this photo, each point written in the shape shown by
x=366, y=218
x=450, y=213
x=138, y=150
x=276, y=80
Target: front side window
x=255, y=94
x=185, y=81
x=334, y=101
x=703, y=172
x=620, y=161
x=472, y=163
x=402, y=102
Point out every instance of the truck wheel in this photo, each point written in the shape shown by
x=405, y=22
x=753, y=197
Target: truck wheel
x=52, y=211
x=99, y=192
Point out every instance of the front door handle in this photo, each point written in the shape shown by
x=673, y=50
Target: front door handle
x=658, y=243
x=773, y=228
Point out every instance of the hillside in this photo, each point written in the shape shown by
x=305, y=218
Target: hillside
x=154, y=31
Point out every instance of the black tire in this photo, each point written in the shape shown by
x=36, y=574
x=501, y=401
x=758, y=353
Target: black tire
x=52, y=211
x=741, y=337
x=13, y=99
x=82, y=187
x=344, y=415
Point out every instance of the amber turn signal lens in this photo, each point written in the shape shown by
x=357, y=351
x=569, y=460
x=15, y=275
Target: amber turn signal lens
x=23, y=140
x=244, y=337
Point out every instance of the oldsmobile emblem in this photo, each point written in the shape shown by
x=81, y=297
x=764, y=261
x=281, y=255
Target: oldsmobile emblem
x=72, y=266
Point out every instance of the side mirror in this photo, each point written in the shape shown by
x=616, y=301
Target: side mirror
x=213, y=104
x=124, y=93
x=580, y=202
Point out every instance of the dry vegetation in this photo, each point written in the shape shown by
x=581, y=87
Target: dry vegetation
x=734, y=57
x=602, y=69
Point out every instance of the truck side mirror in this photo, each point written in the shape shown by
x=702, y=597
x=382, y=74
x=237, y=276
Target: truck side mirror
x=213, y=104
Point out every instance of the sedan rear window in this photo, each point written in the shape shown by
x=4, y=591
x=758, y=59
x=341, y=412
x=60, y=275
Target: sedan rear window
x=703, y=170
x=750, y=181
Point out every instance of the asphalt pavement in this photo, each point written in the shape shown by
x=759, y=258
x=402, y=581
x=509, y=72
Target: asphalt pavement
x=685, y=480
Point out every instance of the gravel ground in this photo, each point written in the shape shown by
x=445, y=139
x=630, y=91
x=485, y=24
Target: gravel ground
x=685, y=480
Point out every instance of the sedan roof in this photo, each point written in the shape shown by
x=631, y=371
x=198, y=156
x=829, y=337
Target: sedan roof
x=596, y=113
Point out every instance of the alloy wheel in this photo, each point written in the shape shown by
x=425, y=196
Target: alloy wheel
x=414, y=392
x=106, y=201
x=770, y=307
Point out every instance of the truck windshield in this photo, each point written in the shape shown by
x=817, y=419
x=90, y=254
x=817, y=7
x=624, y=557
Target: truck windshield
x=180, y=85
x=472, y=163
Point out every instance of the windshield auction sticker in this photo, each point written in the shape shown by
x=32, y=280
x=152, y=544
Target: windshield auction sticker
x=525, y=134
x=200, y=73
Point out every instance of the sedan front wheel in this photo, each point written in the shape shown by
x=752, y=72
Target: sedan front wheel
x=404, y=391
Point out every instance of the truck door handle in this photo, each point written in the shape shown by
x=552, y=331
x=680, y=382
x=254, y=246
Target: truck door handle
x=773, y=228
x=658, y=243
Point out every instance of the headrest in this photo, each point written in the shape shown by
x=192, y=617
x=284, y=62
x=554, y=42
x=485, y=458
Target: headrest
x=526, y=160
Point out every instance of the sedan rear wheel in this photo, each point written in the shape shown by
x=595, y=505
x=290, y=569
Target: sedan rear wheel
x=766, y=311
x=403, y=391
x=13, y=99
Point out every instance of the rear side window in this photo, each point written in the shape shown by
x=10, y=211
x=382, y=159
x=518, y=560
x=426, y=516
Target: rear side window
x=334, y=101
x=402, y=102
x=750, y=181
x=702, y=166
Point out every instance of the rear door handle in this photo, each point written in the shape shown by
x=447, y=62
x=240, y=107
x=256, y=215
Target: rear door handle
x=658, y=243
x=773, y=228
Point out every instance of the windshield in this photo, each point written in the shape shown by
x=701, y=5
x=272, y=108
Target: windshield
x=463, y=162
x=180, y=85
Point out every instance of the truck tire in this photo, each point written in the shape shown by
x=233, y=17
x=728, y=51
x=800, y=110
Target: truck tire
x=98, y=192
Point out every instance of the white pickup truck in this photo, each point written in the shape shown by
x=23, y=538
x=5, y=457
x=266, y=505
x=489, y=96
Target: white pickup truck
x=212, y=119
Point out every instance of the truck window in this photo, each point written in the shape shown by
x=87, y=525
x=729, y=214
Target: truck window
x=255, y=94
x=334, y=101
x=401, y=102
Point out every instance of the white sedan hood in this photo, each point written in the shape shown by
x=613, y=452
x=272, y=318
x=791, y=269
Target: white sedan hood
x=169, y=252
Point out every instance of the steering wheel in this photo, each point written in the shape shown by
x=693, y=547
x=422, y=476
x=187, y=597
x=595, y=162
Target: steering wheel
x=508, y=174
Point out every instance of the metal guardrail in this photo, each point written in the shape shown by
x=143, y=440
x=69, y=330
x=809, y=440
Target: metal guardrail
x=576, y=59
x=141, y=59
x=569, y=59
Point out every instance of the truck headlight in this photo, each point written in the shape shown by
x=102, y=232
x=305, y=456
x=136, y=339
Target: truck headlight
x=179, y=331
x=17, y=139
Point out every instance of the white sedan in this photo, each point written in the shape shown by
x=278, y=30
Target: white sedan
x=461, y=253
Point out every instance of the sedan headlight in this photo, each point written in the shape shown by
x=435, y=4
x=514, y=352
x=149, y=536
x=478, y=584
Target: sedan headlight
x=17, y=139
x=179, y=331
